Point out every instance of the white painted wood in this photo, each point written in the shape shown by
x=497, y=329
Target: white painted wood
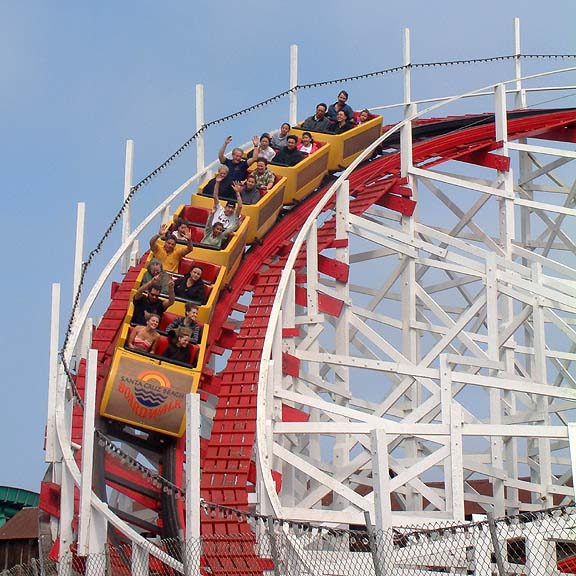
x=52, y=452
x=128, y=175
x=293, y=113
x=78, y=248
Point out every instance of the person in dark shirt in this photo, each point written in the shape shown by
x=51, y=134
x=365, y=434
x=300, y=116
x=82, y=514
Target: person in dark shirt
x=248, y=191
x=237, y=167
x=147, y=301
x=342, y=124
x=188, y=321
x=340, y=104
x=191, y=286
x=289, y=155
x=177, y=348
x=222, y=172
x=319, y=122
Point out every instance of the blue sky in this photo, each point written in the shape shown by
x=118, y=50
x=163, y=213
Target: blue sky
x=80, y=78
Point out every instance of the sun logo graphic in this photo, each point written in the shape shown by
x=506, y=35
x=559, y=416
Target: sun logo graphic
x=152, y=389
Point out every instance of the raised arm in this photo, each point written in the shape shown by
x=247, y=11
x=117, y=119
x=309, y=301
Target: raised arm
x=218, y=179
x=171, y=295
x=239, y=203
x=146, y=286
x=190, y=243
x=222, y=151
x=154, y=238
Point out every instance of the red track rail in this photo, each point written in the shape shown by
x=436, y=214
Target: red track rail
x=227, y=457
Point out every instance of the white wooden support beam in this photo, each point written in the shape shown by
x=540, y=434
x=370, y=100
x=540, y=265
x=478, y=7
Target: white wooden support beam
x=79, y=249
x=92, y=531
x=192, y=545
x=128, y=175
x=520, y=95
x=407, y=71
x=312, y=270
x=200, y=140
x=52, y=452
x=293, y=84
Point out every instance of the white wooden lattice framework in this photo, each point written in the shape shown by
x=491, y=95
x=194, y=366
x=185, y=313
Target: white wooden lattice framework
x=448, y=377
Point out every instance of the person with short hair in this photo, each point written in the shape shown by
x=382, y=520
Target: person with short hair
x=289, y=155
x=264, y=177
x=364, y=116
x=187, y=321
x=319, y=122
x=340, y=104
x=155, y=271
x=145, y=338
x=191, y=286
x=147, y=301
x=179, y=232
x=230, y=214
x=237, y=166
x=222, y=171
x=279, y=139
x=177, y=349
x=262, y=148
x=170, y=253
x=248, y=191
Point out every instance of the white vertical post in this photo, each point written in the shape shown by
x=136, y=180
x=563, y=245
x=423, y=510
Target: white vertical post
x=407, y=62
x=128, y=170
x=66, y=483
x=51, y=449
x=200, y=159
x=87, y=454
x=293, y=84
x=80, y=216
x=381, y=479
x=520, y=96
x=312, y=270
x=343, y=443
x=572, y=444
x=92, y=531
x=192, y=547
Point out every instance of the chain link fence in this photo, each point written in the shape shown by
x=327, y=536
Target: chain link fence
x=535, y=543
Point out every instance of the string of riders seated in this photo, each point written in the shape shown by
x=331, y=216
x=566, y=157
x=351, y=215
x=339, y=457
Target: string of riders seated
x=147, y=300
x=170, y=252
